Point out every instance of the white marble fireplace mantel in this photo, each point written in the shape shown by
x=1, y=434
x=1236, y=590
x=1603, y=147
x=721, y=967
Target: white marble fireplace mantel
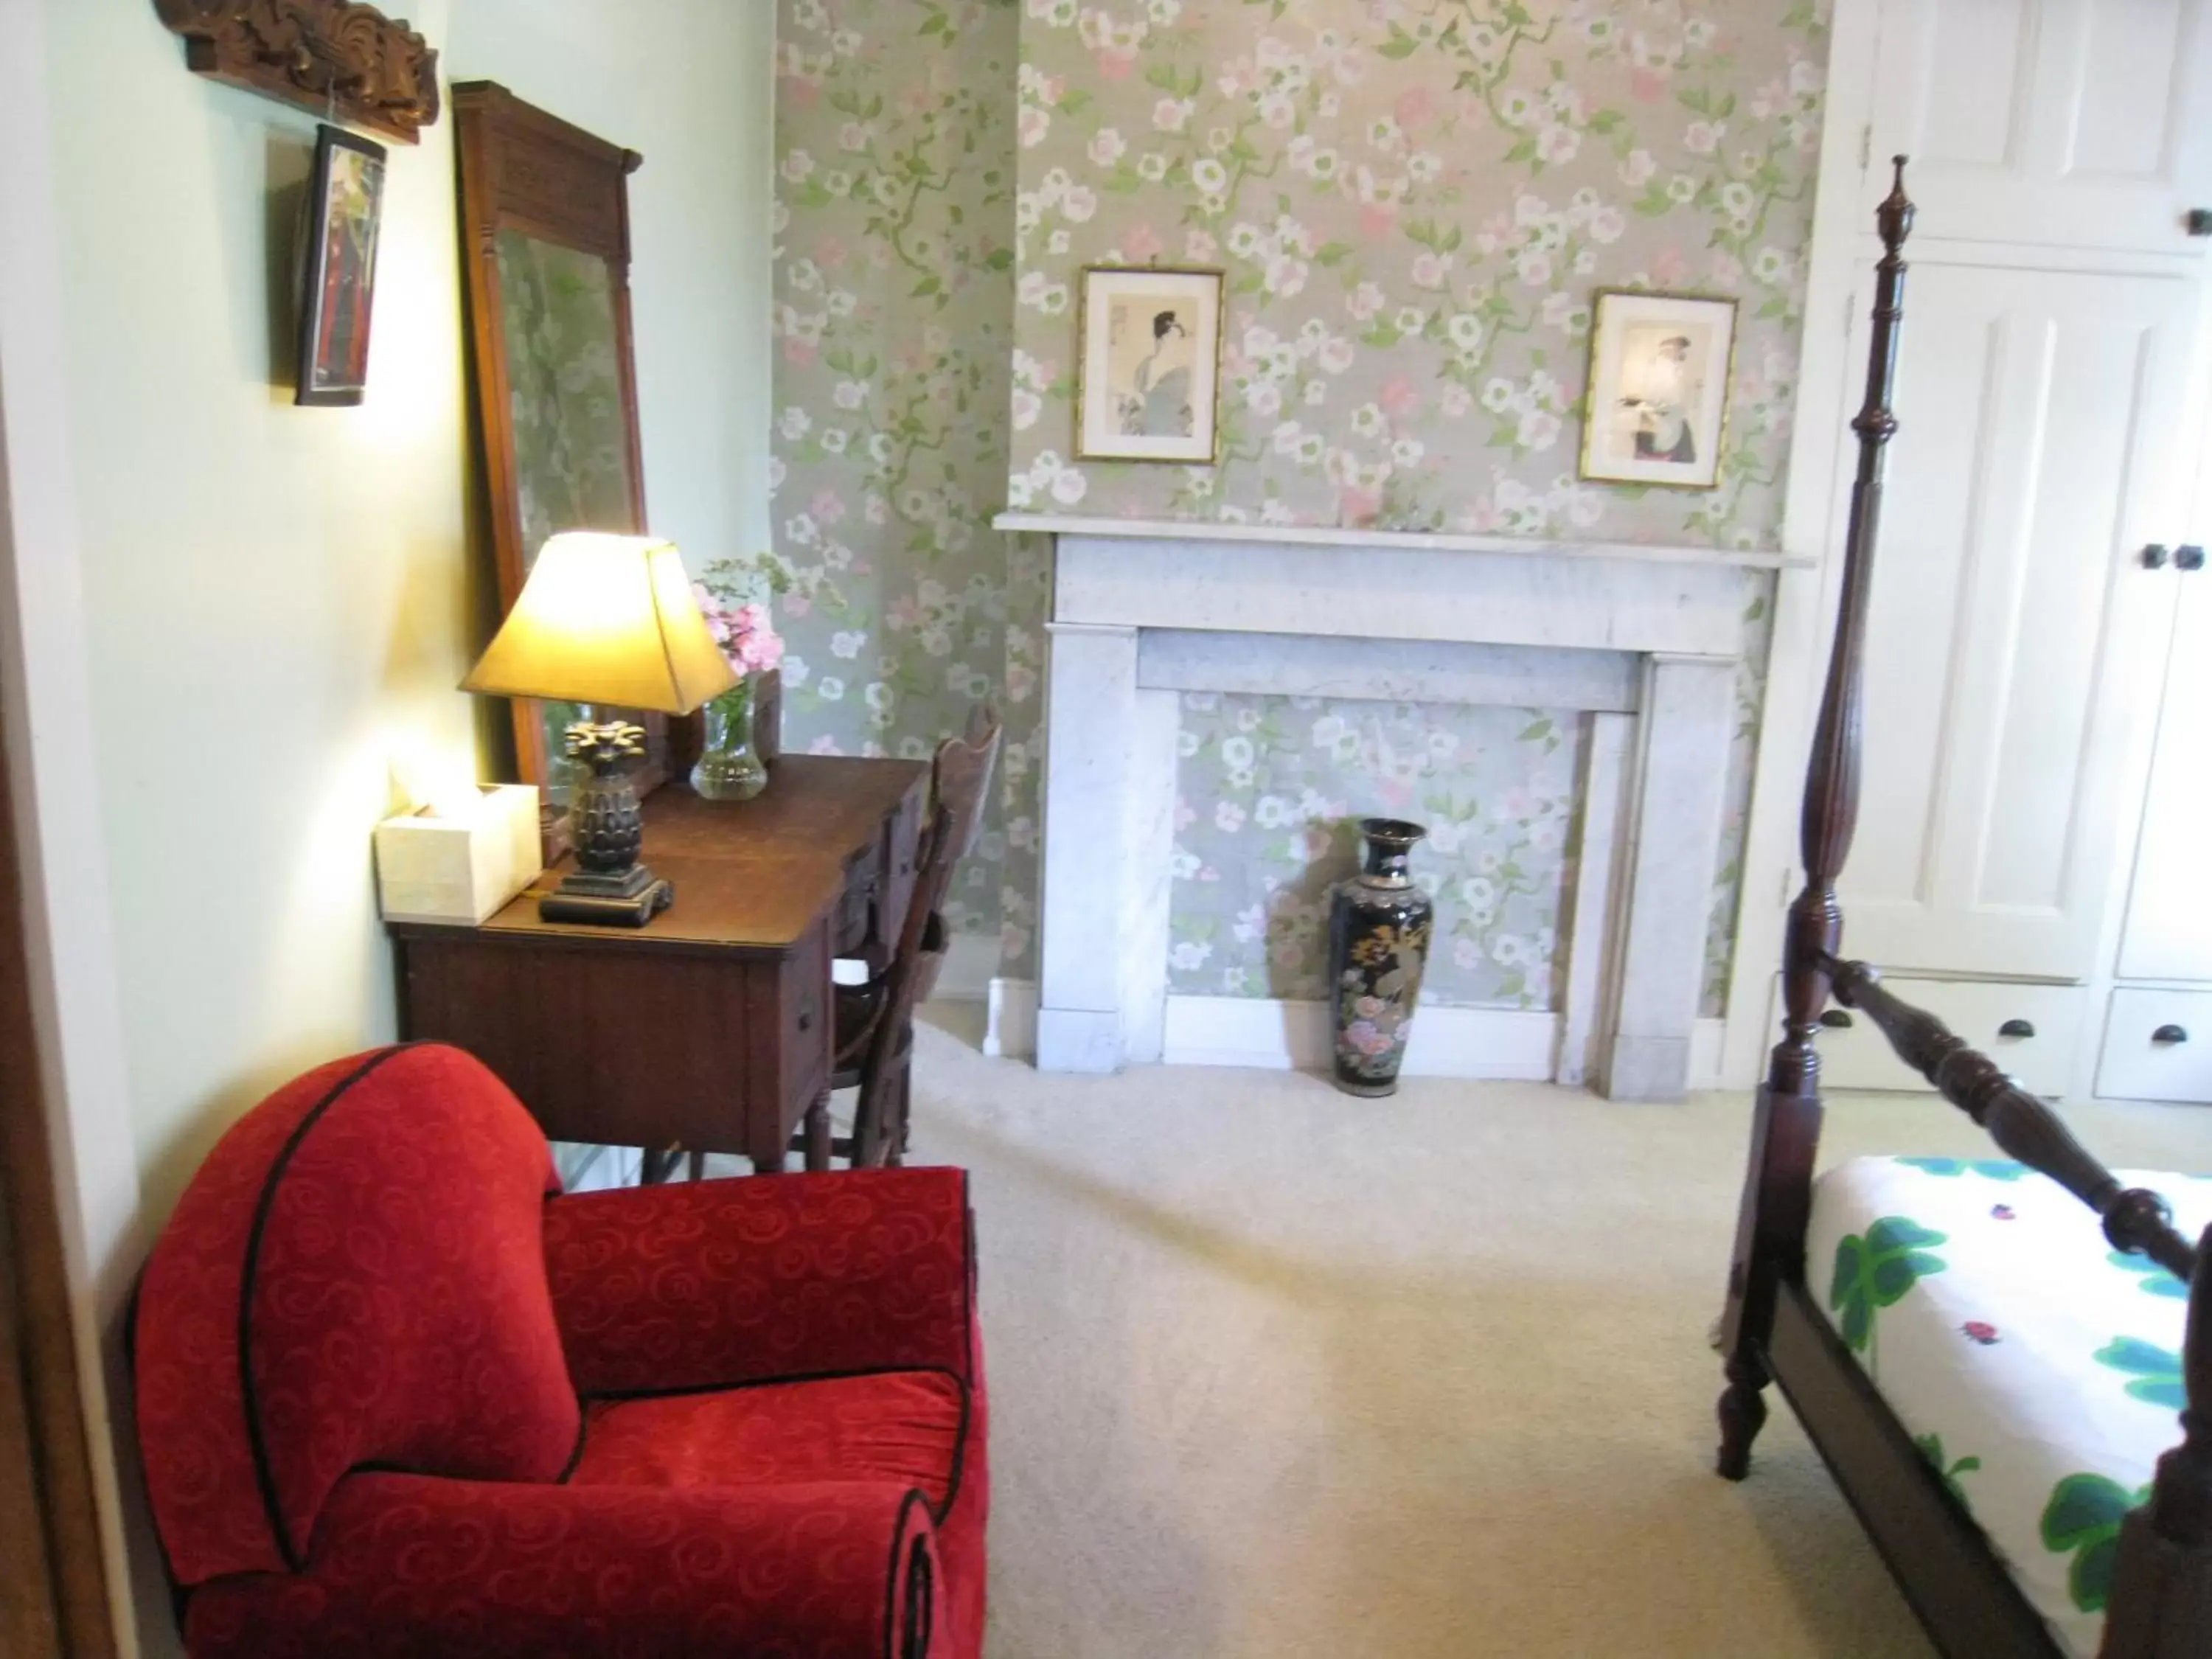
x=1643, y=639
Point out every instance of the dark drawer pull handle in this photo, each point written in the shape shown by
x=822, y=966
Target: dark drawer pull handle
x=1837, y=1019
x=2016, y=1028
x=2169, y=1034
x=2191, y=557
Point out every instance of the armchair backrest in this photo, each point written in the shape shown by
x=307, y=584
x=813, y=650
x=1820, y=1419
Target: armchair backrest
x=354, y=1277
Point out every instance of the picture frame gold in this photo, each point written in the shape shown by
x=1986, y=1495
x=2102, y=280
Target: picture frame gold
x=1104, y=408
x=1662, y=373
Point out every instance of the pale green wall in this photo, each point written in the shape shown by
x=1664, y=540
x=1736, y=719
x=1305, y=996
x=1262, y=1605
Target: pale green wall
x=274, y=596
x=688, y=85
x=279, y=599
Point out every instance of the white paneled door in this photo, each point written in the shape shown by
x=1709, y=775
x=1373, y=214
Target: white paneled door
x=2015, y=634
x=2169, y=923
x=2078, y=123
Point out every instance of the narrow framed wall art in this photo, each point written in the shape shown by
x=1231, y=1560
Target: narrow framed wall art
x=1657, y=409
x=345, y=213
x=1149, y=386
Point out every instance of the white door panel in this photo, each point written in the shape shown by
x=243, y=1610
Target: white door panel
x=2006, y=633
x=2073, y=122
x=2169, y=922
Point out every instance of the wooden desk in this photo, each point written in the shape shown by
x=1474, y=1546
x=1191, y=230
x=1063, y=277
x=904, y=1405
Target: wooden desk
x=713, y=1025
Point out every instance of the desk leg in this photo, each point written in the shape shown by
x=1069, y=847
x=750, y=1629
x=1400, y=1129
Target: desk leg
x=818, y=1134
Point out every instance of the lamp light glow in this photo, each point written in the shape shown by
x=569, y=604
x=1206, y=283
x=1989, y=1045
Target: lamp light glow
x=606, y=619
x=609, y=622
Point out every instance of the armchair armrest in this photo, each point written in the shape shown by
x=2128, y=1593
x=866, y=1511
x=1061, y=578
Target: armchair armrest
x=708, y=1284
x=415, y=1564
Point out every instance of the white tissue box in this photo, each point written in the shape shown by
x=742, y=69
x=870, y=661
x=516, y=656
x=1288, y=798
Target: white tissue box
x=460, y=867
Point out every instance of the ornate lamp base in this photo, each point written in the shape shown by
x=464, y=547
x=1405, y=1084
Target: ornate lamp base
x=626, y=901
x=608, y=887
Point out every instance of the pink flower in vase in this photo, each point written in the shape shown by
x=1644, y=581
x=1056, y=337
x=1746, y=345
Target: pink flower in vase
x=747, y=637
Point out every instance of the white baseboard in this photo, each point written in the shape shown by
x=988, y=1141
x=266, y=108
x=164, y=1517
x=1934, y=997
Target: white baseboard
x=1708, y=1055
x=1263, y=1031
x=1272, y=1034
x=1011, y=1031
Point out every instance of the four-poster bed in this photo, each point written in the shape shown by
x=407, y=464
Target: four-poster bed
x=2139, y=1555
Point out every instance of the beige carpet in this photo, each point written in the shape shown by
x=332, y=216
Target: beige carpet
x=1279, y=1373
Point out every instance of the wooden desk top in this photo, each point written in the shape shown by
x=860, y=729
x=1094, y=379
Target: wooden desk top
x=749, y=876
x=816, y=806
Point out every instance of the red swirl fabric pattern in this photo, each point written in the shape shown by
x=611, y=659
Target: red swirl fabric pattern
x=904, y=1428
x=359, y=1348
x=710, y=1283
x=409, y=1567
x=387, y=1209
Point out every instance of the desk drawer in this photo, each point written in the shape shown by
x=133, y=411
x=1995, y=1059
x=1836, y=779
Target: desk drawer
x=855, y=923
x=878, y=883
x=805, y=1014
x=902, y=851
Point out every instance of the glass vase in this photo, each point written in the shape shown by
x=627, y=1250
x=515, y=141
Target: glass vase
x=730, y=767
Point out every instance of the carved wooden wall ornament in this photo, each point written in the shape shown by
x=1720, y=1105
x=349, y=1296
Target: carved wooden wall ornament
x=347, y=62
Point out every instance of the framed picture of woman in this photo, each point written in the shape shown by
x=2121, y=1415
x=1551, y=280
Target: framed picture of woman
x=1149, y=387
x=345, y=210
x=1660, y=365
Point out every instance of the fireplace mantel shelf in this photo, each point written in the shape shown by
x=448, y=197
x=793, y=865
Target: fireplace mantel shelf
x=1054, y=524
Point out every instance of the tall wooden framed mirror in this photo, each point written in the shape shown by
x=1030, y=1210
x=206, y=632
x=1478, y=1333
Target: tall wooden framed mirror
x=545, y=237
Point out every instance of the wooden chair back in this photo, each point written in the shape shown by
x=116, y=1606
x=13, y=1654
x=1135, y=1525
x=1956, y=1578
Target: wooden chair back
x=960, y=786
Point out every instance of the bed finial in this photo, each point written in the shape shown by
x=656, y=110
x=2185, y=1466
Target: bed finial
x=1893, y=218
x=1786, y=1130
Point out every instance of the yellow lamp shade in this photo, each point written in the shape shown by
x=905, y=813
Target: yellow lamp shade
x=606, y=619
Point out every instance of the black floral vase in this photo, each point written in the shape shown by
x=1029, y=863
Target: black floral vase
x=1379, y=925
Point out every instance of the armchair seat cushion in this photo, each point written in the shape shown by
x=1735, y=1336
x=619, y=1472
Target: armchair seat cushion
x=906, y=1429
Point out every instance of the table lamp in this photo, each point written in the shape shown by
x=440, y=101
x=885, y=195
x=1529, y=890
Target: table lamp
x=606, y=619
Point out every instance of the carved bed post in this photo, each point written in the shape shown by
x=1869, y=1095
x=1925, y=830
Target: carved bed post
x=1786, y=1127
x=2161, y=1598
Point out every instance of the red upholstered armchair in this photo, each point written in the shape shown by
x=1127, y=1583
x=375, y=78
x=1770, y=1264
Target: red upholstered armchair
x=397, y=1396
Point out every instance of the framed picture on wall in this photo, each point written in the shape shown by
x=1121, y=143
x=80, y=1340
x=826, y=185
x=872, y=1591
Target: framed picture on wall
x=345, y=211
x=1149, y=386
x=1660, y=366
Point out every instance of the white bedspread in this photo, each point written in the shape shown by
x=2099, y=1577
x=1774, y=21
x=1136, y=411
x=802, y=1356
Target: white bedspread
x=2039, y=1369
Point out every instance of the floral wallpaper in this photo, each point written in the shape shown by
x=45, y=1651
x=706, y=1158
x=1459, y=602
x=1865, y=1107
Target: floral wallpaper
x=1268, y=792
x=1413, y=201
x=895, y=148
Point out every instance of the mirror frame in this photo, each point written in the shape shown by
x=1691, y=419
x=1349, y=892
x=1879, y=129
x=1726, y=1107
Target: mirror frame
x=523, y=170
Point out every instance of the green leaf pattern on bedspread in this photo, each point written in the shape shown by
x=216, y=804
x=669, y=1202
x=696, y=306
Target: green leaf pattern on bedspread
x=1990, y=1169
x=1931, y=1448
x=2157, y=1371
x=2156, y=1280
x=2082, y=1519
x=1876, y=1270
x=1995, y=1319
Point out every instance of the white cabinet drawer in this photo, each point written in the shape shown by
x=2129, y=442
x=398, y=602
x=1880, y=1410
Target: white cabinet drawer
x=2158, y=1046
x=1860, y=1057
